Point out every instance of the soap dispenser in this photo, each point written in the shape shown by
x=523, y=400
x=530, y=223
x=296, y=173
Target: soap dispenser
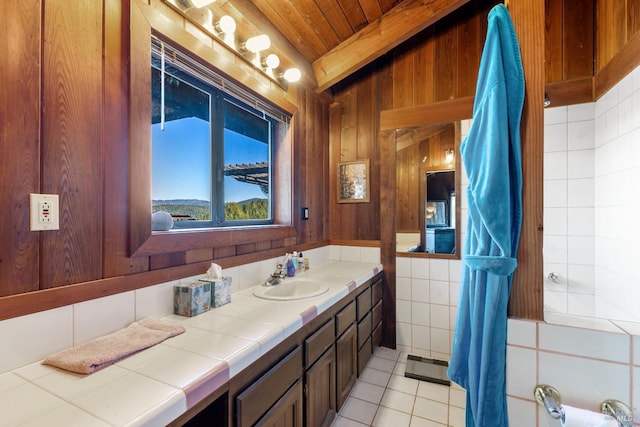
x=291, y=270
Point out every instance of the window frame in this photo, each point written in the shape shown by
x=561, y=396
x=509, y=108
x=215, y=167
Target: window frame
x=146, y=22
x=219, y=103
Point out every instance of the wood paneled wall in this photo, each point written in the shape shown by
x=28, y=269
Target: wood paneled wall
x=410, y=170
x=64, y=106
x=354, y=122
x=64, y=130
x=617, y=22
x=569, y=36
x=438, y=65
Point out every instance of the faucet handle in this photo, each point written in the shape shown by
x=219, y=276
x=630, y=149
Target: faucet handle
x=279, y=271
x=618, y=410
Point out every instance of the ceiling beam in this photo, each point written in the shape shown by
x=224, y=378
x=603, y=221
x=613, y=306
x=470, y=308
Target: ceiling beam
x=419, y=134
x=396, y=26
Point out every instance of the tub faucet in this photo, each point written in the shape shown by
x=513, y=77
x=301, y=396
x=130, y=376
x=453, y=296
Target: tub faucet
x=549, y=397
x=618, y=410
x=276, y=277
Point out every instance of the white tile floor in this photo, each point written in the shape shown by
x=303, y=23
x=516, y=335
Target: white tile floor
x=384, y=397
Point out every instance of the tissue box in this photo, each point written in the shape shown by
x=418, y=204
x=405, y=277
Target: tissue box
x=220, y=291
x=192, y=299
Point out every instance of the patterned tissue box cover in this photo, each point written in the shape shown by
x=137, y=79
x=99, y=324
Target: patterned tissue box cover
x=192, y=299
x=220, y=291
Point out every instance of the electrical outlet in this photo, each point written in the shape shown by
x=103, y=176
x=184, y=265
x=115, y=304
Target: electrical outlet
x=45, y=212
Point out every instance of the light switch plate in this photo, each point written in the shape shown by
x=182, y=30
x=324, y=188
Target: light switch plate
x=44, y=212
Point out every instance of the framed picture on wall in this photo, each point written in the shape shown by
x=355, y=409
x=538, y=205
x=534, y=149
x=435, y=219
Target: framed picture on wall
x=353, y=182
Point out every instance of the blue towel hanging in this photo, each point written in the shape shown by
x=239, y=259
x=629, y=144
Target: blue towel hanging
x=492, y=157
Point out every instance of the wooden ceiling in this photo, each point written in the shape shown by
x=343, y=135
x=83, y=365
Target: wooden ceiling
x=330, y=39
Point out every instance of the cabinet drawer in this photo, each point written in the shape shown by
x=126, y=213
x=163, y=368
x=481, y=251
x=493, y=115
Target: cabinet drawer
x=364, y=330
x=256, y=400
x=376, y=314
x=345, y=318
x=317, y=343
x=364, y=354
x=363, y=302
x=288, y=408
x=376, y=292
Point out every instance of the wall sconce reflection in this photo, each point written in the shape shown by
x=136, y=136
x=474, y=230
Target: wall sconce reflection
x=448, y=155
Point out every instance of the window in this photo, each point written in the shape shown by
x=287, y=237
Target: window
x=212, y=145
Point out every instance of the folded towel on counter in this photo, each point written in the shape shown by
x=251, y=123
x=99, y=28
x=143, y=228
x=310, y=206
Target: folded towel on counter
x=104, y=351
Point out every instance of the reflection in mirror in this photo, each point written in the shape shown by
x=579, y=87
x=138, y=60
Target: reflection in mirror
x=427, y=179
x=440, y=214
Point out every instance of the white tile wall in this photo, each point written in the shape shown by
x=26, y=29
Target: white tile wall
x=617, y=169
x=591, y=235
x=34, y=336
x=427, y=294
x=569, y=211
x=591, y=240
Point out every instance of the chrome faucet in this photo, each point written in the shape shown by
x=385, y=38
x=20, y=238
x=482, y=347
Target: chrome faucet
x=276, y=277
x=618, y=410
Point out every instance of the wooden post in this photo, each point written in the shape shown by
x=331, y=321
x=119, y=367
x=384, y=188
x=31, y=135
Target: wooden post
x=526, y=299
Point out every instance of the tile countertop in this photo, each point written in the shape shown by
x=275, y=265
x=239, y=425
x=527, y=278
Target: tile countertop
x=157, y=385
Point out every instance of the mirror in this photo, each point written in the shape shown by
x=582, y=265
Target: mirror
x=428, y=180
x=440, y=213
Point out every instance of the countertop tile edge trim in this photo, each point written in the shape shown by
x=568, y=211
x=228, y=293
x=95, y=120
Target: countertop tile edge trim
x=352, y=285
x=200, y=389
x=309, y=314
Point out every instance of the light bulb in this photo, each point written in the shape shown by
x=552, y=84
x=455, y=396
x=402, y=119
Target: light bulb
x=201, y=3
x=226, y=25
x=292, y=75
x=448, y=155
x=257, y=43
x=272, y=61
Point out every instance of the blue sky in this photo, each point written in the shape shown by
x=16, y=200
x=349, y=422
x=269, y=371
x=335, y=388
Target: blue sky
x=180, y=159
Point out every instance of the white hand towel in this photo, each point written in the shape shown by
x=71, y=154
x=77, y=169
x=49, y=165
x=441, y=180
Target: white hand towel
x=577, y=417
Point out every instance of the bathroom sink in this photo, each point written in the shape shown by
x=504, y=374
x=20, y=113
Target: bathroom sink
x=292, y=289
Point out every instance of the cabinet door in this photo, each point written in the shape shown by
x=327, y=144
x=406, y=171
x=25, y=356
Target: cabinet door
x=255, y=401
x=346, y=364
x=320, y=390
x=287, y=412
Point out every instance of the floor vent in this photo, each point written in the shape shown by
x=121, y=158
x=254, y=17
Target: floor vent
x=424, y=369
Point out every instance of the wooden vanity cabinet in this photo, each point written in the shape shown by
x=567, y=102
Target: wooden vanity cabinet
x=363, y=310
x=305, y=379
x=376, y=313
x=346, y=347
x=269, y=397
x=287, y=412
x=320, y=390
x=320, y=376
x=369, y=316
